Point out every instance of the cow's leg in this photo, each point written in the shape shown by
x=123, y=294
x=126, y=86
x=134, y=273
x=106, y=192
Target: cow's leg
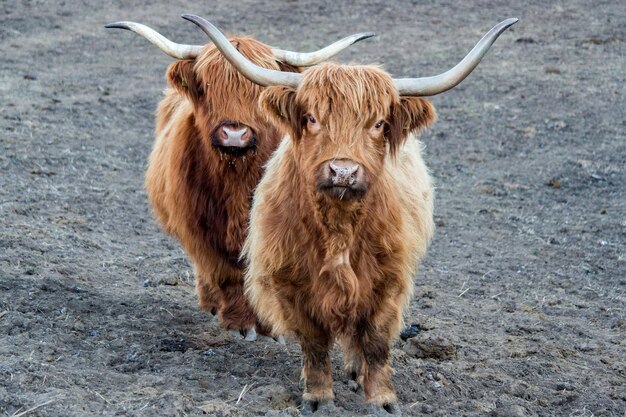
x=352, y=361
x=318, y=381
x=375, y=342
x=235, y=311
x=220, y=291
x=209, y=294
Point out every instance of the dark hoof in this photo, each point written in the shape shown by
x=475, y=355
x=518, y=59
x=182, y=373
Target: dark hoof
x=354, y=386
x=214, y=311
x=385, y=410
x=355, y=381
x=319, y=407
x=250, y=335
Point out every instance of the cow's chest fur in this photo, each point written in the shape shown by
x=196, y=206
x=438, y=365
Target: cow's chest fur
x=345, y=275
x=340, y=296
x=220, y=192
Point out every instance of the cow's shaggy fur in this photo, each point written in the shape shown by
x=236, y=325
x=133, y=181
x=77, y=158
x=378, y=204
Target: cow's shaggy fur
x=199, y=194
x=324, y=268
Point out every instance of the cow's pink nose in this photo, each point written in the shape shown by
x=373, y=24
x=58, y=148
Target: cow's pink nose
x=343, y=172
x=231, y=136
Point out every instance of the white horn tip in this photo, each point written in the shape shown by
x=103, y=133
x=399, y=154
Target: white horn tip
x=118, y=25
x=190, y=17
x=365, y=35
x=511, y=21
x=504, y=25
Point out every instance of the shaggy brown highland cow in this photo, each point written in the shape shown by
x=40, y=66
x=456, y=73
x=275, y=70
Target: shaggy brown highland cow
x=343, y=267
x=343, y=214
x=212, y=142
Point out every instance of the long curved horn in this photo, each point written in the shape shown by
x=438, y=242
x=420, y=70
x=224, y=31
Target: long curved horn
x=430, y=86
x=173, y=49
x=258, y=75
x=307, y=59
x=297, y=59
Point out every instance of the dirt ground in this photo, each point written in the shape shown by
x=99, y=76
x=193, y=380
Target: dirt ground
x=520, y=306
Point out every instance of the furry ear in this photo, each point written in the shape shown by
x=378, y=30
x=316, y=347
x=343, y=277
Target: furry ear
x=181, y=76
x=410, y=115
x=279, y=102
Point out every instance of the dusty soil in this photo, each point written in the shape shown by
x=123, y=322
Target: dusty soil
x=520, y=307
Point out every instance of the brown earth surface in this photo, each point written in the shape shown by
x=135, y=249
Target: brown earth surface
x=519, y=308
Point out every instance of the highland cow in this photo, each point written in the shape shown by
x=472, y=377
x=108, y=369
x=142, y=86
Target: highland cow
x=343, y=214
x=212, y=142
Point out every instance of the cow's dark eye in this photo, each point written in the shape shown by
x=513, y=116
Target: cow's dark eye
x=312, y=119
x=379, y=124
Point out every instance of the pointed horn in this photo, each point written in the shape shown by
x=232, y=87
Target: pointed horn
x=173, y=49
x=430, y=86
x=307, y=59
x=258, y=75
